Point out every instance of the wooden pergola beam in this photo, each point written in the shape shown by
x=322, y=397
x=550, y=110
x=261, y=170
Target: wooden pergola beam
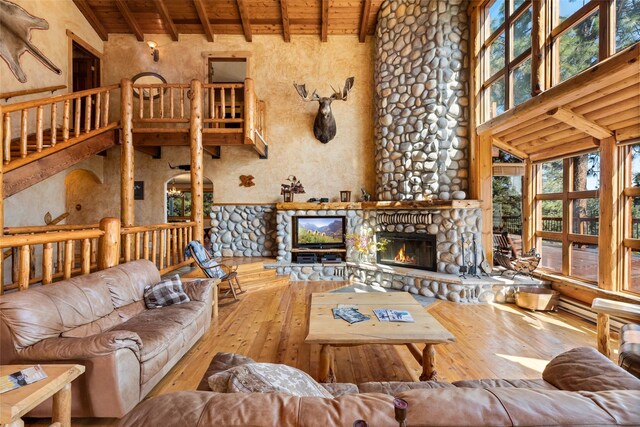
x=580, y=122
x=244, y=17
x=166, y=19
x=364, y=20
x=130, y=19
x=284, y=11
x=85, y=9
x=325, y=20
x=204, y=19
x=509, y=148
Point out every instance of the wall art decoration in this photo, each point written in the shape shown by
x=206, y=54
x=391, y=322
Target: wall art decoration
x=15, y=26
x=246, y=181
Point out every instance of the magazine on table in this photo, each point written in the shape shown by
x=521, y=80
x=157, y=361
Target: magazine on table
x=389, y=315
x=342, y=306
x=21, y=378
x=351, y=315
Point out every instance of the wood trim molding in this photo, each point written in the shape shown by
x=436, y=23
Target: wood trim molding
x=204, y=19
x=244, y=18
x=325, y=21
x=509, y=148
x=284, y=11
x=74, y=38
x=85, y=9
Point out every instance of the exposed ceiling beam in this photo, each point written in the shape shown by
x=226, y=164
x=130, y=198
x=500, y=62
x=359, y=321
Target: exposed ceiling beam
x=92, y=18
x=131, y=21
x=364, y=19
x=213, y=151
x=509, y=149
x=244, y=17
x=284, y=10
x=565, y=150
x=166, y=19
x=580, y=122
x=204, y=19
x=325, y=20
x=154, y=152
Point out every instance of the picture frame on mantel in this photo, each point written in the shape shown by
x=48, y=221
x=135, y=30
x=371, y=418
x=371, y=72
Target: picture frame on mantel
x=138, y=190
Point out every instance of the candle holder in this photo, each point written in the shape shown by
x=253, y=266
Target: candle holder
x=345, y=196
x=401, y=406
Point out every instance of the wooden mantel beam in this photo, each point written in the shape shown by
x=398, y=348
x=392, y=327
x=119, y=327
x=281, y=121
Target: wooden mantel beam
x=166, y=19
x=284, y=10
x=130, y=19
x=325, y=20
x=364, y=20
x=204, y=19
x=85, y=9
x=246, y=21
x=580, y=122
x=509, y=148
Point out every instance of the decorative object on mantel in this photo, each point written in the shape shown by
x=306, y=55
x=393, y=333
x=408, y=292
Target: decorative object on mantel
x=294, y=187
x=246, y=181
x=15, y=26
x=345, y=196
x=324, y=126
x=366, y=196
x=364, y=244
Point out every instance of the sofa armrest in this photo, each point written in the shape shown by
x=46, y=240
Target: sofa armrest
x=199, y=290
x=82, y=348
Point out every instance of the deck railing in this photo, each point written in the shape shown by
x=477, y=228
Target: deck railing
x=589, y=226
x=58, y=122
x=43, y=255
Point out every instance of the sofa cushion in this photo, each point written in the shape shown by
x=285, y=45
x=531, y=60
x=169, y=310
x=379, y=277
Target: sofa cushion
x=127, y=281
x=265, y=378
x=585, y=369
x=165, y=293
x=96, y=327
x=490, y=383
x=221, y=362
x=340, y=389
x=629, y=352
x=395, y=387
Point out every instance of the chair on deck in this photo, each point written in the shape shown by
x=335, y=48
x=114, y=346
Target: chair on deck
x=214, y=269
x=503, y=244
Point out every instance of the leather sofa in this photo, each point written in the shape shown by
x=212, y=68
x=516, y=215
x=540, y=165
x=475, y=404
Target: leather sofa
x=100, y=321
x=579, y=387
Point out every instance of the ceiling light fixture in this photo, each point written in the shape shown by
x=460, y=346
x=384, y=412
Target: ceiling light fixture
x=173, y=191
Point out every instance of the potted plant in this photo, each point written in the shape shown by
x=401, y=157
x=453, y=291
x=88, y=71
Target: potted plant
x=364, y=244
x=291, y=187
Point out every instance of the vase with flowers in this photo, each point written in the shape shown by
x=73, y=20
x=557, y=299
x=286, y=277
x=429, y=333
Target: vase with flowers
x=291, y=187
x=364, y=244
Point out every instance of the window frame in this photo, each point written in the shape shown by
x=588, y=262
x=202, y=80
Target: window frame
x=568, y=196
x=629, y=192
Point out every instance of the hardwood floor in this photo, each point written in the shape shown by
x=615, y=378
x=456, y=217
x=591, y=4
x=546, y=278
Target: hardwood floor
x=269, y=323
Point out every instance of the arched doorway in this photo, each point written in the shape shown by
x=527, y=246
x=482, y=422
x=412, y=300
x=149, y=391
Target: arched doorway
x=178, y=198
x=81, y=186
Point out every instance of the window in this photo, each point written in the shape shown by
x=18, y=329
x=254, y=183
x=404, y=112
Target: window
x=568, y=208
x=179, y=206
x=576, y=36
x=632, y=218
x=507, y=52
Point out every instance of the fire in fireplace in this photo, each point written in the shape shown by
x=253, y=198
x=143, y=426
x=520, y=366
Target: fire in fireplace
x=414, y=250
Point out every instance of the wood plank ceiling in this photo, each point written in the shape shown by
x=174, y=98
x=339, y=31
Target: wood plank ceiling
x=244, y=17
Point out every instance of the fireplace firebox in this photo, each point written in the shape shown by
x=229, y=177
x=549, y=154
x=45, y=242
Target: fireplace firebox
x=411, y=250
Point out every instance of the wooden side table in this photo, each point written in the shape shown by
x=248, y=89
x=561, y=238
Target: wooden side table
x=16, y=403
x=605, y=308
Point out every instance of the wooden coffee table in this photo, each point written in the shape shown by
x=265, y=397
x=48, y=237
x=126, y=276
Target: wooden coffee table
x=330, y=332
x=16, y=403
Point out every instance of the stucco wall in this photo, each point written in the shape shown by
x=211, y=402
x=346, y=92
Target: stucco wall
x=345, y=163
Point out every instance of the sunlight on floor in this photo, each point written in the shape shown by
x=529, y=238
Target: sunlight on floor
x=535, y=319
x=537, y=365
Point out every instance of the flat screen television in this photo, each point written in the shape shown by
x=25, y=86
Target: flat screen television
x=319, y=232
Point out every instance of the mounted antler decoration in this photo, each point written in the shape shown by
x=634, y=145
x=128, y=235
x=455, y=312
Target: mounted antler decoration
x=324, y=126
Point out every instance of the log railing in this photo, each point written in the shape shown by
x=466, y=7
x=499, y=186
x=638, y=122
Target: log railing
x=162, y=244
x=34, y=129
x=161, y=103
x=45, y=254
x=223, y=107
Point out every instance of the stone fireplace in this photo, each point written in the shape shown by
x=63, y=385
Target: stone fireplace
x=411, y=250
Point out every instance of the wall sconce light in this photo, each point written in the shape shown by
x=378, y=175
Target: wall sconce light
x=154, y=52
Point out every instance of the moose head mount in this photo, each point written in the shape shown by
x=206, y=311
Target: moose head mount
x=324, y=126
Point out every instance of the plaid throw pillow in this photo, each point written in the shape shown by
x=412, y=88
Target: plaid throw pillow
x=167, y=292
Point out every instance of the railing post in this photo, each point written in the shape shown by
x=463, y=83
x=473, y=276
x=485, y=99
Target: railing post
x=126, y=161
x=1, y=203
x=109, y=243
x=249, y=111
x=197, y=160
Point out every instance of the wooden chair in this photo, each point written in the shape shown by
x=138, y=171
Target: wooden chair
x=504, y=244
x=214, y=269
x=525, y=264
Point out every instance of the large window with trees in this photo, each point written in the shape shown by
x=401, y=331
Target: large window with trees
x=558, y=39
x=567, y=206
x=631, y=225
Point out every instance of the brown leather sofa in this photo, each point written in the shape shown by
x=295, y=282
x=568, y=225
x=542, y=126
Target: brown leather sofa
x=100, y=321
x=579, y=387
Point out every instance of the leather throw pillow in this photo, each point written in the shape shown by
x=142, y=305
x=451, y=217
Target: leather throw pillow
x=266, y=378
x=167, y=292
